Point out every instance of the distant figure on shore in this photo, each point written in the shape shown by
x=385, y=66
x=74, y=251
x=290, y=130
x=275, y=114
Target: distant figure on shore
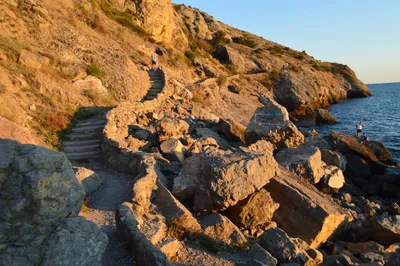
x=364, y=137
x=154, y=60
x=359, y=129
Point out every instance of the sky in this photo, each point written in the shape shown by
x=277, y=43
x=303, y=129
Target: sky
x=363, y=34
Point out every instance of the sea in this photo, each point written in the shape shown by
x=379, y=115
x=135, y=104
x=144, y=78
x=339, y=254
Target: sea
x=379, y=113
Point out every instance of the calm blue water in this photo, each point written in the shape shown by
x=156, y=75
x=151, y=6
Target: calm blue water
x=380, y=114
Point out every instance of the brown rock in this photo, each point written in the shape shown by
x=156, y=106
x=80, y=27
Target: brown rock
x=323, y=116
x=261, y=255
x=364, y=247
x=332, y=180
x=272, y=124
x=256, y=210
x=173, y=150
x=334, y=158
x=232, y=130
x=350, y=145
x=174, y=211
x=33, y=60
x=88, y=178
x=305, y=161
x=339, y=260
x=222, y=229
x=90, y=83
x=169, y=128
x=316, y=219
x=227, y=176
x=380, y=151
x=385, y=229
x=171, y=248
x=279, y=244
x=207, y=133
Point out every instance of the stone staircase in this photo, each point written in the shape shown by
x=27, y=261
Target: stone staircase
x=157, y=80
x=83, y=142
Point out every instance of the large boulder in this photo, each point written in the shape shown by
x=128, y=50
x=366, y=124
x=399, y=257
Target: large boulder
x=316, y=219
x=207, y=133
x=222, y=229
x=261, y=255
x=256, y=210
x=272, y=123
x=332, y=180
x=323, y=116
x=279, y=244
x=334, y=158
x=380, y=151
x=305, y=161
x=173, y=150
x=169, y=128
x=346, y=144
x=225, y=177
x=38, y=183
x=385, y=229
x=232, y=130
x=40, y=198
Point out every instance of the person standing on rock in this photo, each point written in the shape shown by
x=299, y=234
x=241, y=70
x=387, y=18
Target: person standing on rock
x=154, y=60
x=359, y=129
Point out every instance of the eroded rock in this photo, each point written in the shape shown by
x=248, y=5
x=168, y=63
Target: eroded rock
x=316, y=219
x=272, y=123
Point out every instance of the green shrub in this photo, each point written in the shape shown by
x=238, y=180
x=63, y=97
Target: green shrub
x=320, y=67
x=122, y=17
x=232, y=69
x=259, y=50
x=298, y=56
x=181, y=57
x=190, y=55
x=219, y=38
x=276, y=50
x=244, y=41
x=222, y=80
x=94, y=70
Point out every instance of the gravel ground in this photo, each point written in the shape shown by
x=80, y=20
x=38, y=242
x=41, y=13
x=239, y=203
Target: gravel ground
x=115, y=189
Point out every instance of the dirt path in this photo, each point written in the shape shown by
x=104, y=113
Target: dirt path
x=115, y=189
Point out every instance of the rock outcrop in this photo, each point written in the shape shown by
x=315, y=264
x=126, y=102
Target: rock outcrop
x=226, y=177
x=305, y=161
x=256, y=210
x=272, y=123
x=316, y=219
x=40, y=199
x=323, y=116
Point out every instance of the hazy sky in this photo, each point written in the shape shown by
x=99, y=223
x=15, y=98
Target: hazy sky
x=364, y=34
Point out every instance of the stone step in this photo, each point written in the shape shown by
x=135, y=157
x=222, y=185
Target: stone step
x=89, y=136
x=81, y=142
x=83, y=148
x=149, y=98
x=87, y=129
x=84, y=155
x=152, y=93
x=155, y=89
x=95, y=122
x=159, y=88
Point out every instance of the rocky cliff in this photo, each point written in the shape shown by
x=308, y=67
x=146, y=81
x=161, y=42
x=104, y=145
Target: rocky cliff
x=45, y=45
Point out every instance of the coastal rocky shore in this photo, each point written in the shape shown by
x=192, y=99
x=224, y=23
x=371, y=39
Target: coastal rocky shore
x=199, y=162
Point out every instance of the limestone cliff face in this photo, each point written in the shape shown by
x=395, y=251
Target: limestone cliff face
x=158, y=18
